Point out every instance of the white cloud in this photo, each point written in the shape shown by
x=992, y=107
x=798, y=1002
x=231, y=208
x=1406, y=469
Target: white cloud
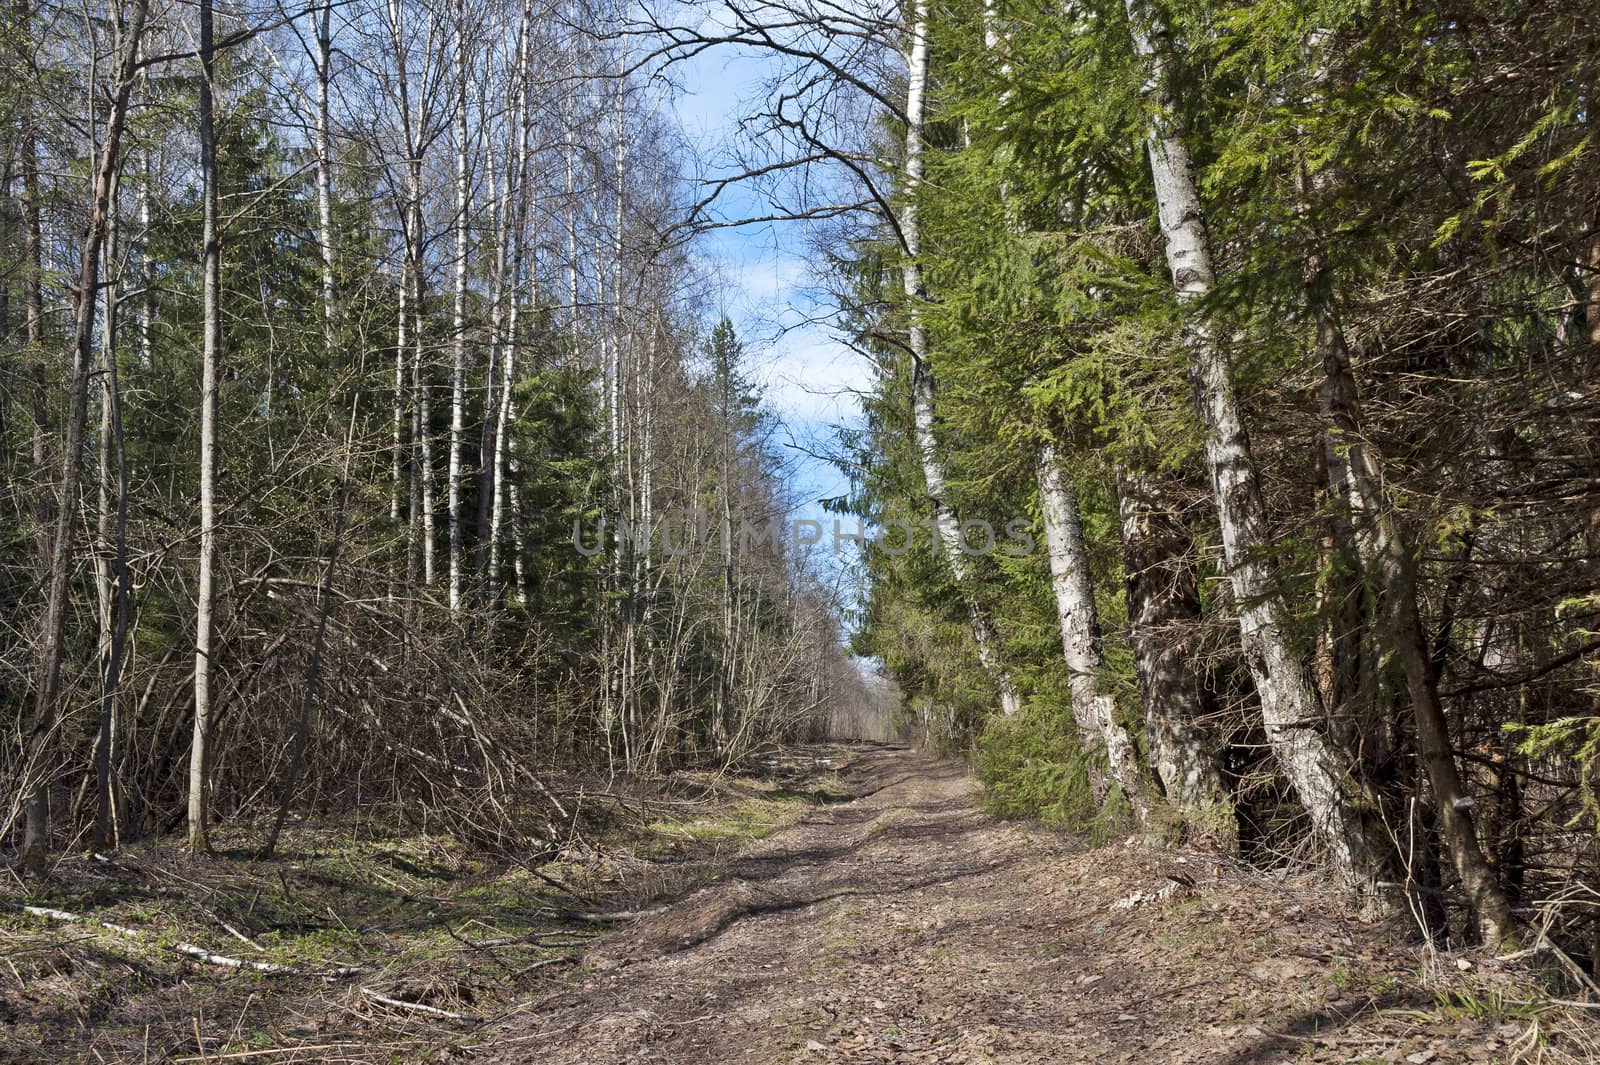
x=810, y=378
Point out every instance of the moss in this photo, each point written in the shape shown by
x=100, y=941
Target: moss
x=748, y=821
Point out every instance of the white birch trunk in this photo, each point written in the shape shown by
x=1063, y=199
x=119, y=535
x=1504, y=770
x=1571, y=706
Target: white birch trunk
x=1291, y=712
x=519, y=572
x=618, y=638
x=572, y=244
x=458, y=319
x=922, y=383
x=515, y=210
x=147, y=274
x=397, y=422
x=422, y=441
x=324, y=133
x=491, y=404
x=211, y=354
x=1094, y=710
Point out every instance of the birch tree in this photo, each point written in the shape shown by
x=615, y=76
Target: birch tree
x=1080, y=632
x=922, y=381
x=458, y=317
x=210, y=356
x=1289, y=704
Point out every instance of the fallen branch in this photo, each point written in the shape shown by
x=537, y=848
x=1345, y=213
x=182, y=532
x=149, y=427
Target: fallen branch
x=234, y=932
x=1584, y=979
x=73, y=918
x=417, y=1006
x=614, y=917
x=553, y=882
x=566, y=959
x=269, y=1052
x=270, y=968
x=235, y=963
x=533, y=939
x=54, y=915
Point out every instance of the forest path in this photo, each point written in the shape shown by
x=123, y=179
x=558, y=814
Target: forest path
x=906, y=926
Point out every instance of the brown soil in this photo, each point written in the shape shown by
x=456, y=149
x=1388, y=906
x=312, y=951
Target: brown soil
x=906, y=926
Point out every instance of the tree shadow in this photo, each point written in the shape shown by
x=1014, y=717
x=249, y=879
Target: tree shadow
x=1291, y=1035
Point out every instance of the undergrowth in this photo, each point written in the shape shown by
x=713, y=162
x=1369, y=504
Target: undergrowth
x=1032, y=767
x=97, y=959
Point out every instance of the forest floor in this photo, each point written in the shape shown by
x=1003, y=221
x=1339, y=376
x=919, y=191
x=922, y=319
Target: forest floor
x=840, y=904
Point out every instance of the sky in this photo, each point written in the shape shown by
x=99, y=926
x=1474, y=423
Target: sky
x=810, y=380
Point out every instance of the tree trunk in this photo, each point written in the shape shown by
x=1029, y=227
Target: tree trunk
x=1081, y=647
x=1388, y=558
x=36, y=826
x=324, y=68
x=147, y=272
x=1163, y=601
x=1290, y=709
x=458, y=319
x=421, y=387
x=491, y=404
x=922, y=381
x=516, y=192
x=111, y=562
x=211, y=353
x=569, y=166
x=399, y=459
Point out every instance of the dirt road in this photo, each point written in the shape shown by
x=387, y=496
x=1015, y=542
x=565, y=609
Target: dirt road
x=906, y=926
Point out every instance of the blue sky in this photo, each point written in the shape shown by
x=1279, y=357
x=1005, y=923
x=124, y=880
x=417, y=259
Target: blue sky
x=810, y=380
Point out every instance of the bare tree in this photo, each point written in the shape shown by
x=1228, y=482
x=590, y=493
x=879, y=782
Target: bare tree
x=211, y=355
x=128, y=28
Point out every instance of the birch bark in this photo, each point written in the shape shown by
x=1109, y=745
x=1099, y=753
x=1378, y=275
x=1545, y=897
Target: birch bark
x=211, y=354
x=1291, y=711
x=1081, y=646
x=922, y=380
x=516, y=209
x=458, y=319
